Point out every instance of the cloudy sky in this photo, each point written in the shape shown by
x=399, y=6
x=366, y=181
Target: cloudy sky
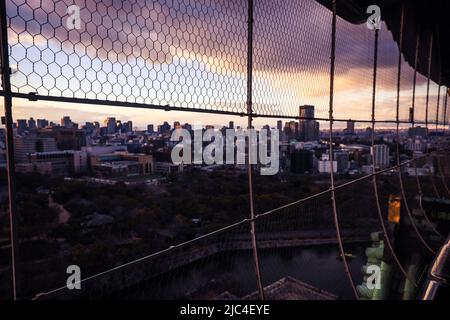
x=193, y=54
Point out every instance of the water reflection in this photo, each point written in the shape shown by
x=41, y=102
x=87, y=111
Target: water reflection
x=233, y=272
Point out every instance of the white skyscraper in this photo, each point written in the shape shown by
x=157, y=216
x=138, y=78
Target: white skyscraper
x=380, y=155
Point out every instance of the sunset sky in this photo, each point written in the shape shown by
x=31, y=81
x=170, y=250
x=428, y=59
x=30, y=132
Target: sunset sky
x=192, y=54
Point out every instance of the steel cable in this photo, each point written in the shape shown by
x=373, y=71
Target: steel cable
x=374, y=179
x=333, y=195
x=399, y=170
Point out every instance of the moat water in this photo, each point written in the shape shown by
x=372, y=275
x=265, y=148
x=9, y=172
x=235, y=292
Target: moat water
x=316, y=265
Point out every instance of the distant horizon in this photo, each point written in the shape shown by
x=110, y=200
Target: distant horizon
x=238, y=121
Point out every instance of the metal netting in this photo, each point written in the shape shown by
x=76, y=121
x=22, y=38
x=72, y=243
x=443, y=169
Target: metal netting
x=189, y=54
x=291, y=57
x=193, y=55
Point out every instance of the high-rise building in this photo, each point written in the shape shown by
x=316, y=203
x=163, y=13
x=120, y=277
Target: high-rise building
x=21, y=126
x=309, y=128
x=380, y=155
x=66, y=122
x=89, y=127
x=164, y=128
x=31, y=123
x=42, y=123
x=307, y=111
x=110, y=124
x=350, y=127
x=368, y=133
x=150, y=128
x=342, y=162
x=127, y=127
x=293, y=127
x=231, y=125
x=280, y=125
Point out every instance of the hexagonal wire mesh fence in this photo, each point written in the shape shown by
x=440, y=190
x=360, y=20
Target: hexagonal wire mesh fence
x=193, y=55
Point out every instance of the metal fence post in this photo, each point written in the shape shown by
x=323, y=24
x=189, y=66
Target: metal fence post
x=6, y=74
x=330, y=150
x=250, y=166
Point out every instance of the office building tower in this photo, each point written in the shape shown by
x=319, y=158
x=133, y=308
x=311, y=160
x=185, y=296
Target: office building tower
x=127, y=126
x=350, y=127
x=31, y=123
x=307, y=111
x=280, y=125
x=187, y=126
x=110, y=124
x=22, y=126
x=380, y=156
x=308, y=127
x=66, y=122
x=342, y=162
x=42, y=123
x=164, y=128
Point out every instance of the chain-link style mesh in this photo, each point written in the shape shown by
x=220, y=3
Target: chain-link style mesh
x=291, y=57
x=193, y=55
x=189, y=54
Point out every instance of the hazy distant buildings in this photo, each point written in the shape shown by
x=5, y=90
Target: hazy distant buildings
x=150, y=128
x=417, y=132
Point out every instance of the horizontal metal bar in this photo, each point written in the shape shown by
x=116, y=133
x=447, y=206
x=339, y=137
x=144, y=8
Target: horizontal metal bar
x=35, y=97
